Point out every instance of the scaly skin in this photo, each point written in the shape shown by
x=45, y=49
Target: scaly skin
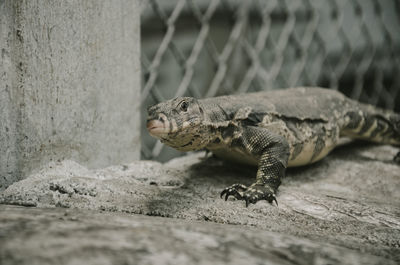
x=272, y=130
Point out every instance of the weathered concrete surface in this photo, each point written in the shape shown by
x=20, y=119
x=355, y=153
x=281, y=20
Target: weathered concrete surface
x=350, y=199
x=69, y=84
x=65, y=236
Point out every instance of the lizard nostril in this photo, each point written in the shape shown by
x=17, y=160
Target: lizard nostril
x=161, y=119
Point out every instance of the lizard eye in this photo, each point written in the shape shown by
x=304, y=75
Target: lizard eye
x=184, y=106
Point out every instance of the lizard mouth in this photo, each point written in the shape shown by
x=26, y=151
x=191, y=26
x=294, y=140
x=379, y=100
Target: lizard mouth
x=156, y=128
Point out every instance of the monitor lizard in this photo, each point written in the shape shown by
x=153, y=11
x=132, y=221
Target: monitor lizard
x=272, y=130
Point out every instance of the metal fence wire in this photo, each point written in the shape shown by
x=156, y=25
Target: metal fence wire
x=206, y=48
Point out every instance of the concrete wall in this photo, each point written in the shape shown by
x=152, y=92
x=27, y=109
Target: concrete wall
x=69, y=83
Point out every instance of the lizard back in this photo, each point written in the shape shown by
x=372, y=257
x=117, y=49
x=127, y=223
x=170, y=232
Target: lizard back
x=311, y=120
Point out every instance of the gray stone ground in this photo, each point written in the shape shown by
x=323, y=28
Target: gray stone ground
x=344, y=209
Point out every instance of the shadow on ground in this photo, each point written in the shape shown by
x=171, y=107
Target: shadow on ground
x=343, y=209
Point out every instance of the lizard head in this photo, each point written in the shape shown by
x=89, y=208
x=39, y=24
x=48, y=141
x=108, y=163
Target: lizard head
x=178, y=123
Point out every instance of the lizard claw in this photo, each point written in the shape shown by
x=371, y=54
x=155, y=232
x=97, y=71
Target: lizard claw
x=257, y=192
x=236, y=190
x=251, y=194
x=274, y=199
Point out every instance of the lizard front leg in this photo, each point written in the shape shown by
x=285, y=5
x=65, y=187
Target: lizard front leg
x=273, y=153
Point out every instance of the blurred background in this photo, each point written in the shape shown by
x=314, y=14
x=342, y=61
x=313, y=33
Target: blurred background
x=206, y=48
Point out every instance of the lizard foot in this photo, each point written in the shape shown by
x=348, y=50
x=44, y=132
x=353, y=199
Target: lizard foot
x=236, y=190
x=251, y=194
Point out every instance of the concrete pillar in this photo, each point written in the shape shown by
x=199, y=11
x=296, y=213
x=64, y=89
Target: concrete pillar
x=69, y=83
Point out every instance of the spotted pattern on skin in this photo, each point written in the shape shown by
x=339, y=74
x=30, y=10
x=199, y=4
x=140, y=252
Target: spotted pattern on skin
x=368, y=126
x=242, y=113
x=319, y=146
x=379, y=128
x=376, y=127
x=273, y=130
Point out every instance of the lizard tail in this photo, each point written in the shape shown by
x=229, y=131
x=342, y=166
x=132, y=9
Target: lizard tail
x=373, y=124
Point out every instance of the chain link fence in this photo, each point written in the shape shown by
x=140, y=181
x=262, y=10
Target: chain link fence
x=206, y=48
